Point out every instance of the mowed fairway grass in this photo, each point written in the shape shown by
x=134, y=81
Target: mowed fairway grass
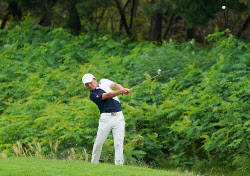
x=30, y=166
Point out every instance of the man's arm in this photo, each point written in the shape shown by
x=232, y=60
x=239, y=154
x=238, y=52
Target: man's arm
x=120, y=90
x=116, y=86
x=115, y=93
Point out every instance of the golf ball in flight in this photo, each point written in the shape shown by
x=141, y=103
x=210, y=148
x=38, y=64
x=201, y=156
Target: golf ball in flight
x=223, y=7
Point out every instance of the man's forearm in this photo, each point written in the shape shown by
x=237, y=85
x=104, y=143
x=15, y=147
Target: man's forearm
x=111, y=94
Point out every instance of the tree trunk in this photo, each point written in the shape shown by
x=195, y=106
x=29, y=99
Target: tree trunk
x=74, y=22
x=47, y=15
x=156, y=27
x=243, y=28
x=5, y=18
x=111, y=21
x=190, y=33
x=16, y=11
x=13, y=9
x=123, y=18
x=98, y=22
x=125, y=6
x=132, y=15
x=46, y=18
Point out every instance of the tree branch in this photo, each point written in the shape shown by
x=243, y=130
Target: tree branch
x=243, y=28
x=169, y=26
x=118, y=5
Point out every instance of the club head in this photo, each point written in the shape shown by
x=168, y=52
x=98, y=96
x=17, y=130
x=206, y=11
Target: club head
x=159, y=72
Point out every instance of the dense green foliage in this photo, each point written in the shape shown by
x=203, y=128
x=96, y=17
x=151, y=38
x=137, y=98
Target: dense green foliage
x=195, y=114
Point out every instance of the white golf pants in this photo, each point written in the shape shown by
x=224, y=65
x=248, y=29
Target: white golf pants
x=109, y=122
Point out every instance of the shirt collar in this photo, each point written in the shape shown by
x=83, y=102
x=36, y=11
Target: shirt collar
x=95, y=89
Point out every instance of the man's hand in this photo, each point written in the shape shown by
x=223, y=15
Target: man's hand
x=126, y=91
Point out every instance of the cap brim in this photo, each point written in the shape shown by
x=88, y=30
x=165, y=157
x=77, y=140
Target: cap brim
x=88, y=81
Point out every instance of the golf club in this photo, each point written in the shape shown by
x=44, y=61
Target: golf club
x=159, y=73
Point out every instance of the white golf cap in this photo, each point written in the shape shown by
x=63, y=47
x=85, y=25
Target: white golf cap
x=88, y=77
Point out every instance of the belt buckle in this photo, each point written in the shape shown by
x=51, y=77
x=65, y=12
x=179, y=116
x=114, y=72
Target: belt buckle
x=113, y=113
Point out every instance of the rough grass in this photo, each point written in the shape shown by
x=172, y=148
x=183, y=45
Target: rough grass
x=29, y=166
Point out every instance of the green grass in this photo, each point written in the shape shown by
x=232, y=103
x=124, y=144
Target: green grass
x=40, y=167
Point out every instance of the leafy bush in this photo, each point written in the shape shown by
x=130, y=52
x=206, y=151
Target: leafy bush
x=195, y=115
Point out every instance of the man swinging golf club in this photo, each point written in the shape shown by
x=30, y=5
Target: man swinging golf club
x=111, y=119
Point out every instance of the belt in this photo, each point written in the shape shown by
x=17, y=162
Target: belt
x=112, y=113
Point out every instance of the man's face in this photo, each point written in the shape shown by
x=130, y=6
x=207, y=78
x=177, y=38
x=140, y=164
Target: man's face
x=92, y=85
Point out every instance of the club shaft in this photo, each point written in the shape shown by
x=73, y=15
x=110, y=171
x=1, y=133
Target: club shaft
x=143, y=82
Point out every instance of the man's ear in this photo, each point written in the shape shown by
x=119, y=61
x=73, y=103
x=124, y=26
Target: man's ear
x=95, y=79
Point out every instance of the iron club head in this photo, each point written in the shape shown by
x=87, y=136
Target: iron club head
x=159, y=72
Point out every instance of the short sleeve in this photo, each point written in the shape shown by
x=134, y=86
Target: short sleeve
x=107, y=81
x=96, y=97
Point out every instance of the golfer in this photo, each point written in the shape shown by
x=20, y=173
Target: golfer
x=111, y=119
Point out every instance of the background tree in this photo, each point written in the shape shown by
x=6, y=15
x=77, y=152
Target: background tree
x=11, y=8
x=196, y=13
x=73, y=21
x=155, y=10
x=156, y=20
x=46, y=11
x=242, y=6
